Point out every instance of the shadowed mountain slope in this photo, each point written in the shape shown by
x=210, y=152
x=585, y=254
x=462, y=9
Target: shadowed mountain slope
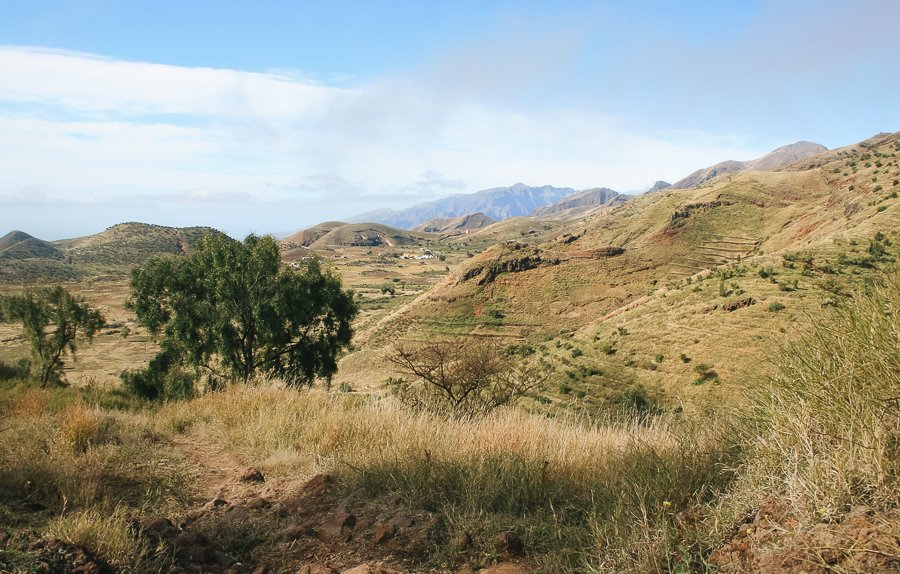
x=580, y=203
x=367, y=235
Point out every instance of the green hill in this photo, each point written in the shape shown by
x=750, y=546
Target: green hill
x=113, y=251
x=20, y=245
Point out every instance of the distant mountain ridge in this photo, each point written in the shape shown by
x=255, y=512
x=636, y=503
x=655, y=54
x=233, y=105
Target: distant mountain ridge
x=776, y=159
x=497, y=203
x=576, y=204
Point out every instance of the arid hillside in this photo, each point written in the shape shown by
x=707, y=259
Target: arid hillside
x=693, y=273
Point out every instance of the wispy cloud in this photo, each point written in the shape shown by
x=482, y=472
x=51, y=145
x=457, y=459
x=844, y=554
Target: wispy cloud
x=93, y=130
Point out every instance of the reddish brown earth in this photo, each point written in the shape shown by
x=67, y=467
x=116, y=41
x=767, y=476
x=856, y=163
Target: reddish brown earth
x=772, y=541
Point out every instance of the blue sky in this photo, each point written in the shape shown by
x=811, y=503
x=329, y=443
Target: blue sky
x=276, y=115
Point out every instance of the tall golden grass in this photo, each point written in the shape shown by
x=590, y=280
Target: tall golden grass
x=580, y=493
x=823, y=429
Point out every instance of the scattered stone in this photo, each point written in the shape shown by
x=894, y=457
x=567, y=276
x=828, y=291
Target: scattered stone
x=251, y=474
x=317, y=485
x=355, y=497
x=215, y=503
x=160, y=528
x=305, y=528
x=258, y=503
x=261, y=569
x=315, y=568
x=75, y=559
x=508, y=543
x=402, y=520
x=341, y=526
x=740, y=303
x=392, y=499
x=773, y=541
x=384, y=532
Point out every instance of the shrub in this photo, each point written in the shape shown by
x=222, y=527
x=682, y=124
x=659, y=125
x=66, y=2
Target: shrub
x=18, y=370
x=704, y=374
x=635, y=400
x=165, y=378
x=775, y=306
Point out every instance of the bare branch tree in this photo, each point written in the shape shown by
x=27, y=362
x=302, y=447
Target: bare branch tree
x=462, y=377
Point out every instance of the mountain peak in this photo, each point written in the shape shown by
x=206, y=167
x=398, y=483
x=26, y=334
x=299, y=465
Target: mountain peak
x=775, y=159
x=13, y=237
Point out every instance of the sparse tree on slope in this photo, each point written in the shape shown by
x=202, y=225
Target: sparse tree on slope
x=231, y=310
x=464, y=377
x=52, y=320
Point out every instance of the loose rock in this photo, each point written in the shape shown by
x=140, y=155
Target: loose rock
x=252, y=475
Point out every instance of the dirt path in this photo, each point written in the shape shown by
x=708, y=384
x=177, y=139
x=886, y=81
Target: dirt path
x=217, y=471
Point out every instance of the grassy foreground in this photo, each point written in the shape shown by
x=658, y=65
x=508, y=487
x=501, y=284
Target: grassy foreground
x=819, y=431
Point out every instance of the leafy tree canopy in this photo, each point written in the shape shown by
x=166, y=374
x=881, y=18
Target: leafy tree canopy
x=232, y=311
x=52, y=320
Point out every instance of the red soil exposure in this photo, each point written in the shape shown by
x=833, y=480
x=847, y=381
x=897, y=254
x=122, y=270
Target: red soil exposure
x=861, y=541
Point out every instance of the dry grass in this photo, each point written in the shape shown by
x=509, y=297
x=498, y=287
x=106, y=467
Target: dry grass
x=84, y=456
x=107, y=535
x=581, y=494
x=823, y=430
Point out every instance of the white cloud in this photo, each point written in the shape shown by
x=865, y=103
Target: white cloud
x=91, y=129
x=85, y=83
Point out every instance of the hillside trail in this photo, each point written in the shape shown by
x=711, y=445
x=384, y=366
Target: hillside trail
x=216, y=472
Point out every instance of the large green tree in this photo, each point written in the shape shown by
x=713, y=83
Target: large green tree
x=233, y=311
x=52, y=320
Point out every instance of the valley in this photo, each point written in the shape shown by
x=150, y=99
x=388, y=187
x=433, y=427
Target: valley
x=666, y=321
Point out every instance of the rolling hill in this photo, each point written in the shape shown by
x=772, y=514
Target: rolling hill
x=367, y=235
x=113, y=251
x=310, y=235
x=20, y=245
x=450, y=224
x=498, y=203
